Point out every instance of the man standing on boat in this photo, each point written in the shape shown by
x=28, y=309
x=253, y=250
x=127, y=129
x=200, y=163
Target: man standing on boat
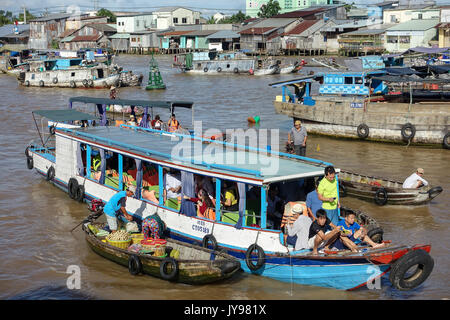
x=298, y=136
x=327, y=193
x=116, y=206
x=415, y=180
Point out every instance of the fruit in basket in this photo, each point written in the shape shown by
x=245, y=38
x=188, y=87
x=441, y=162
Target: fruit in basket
x=120, y=235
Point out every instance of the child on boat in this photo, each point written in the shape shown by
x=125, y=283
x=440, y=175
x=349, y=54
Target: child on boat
x=351, y=232
x=322, y=232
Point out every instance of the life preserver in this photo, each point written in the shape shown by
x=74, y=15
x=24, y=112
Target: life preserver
x=207, y=239
x=236, y=70
x=400, y=268
x=362, y=131
x=30, y=163
x=41, y=83
x=50, y=173
x=434, y=192
x=249, y=260
x=412, y=130
x=72, y=187
x=134, y=265
x=205, y=69
x=72, y=84
x=381, y=197
x=219, y=69
x=52, y=129
x=163, y=268
x=55, y=80
x=445, y=141
x=173, y=125
x=79, y=193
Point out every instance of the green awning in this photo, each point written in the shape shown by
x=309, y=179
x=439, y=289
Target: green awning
x=136, y=103
x=64, y=115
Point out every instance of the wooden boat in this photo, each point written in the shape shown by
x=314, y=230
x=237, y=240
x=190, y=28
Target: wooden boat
x=384, y=191
x=195, y=264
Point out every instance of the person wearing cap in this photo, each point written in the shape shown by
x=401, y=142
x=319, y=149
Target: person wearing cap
x=112, y=92
x=415, y=180
x=116, y=206
x=299, y=229
x=292, y=210
x=298, y=136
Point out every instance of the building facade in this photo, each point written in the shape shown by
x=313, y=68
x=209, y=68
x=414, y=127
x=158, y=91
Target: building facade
x=410, y=34
x=171, y=16
x=252, y=7
x=135, y=22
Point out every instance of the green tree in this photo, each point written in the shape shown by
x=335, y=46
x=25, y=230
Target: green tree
x=270, y=9
x=29, y=16
x=211, y=20
x=6, y=17
x=235, y=18
x=106, y=13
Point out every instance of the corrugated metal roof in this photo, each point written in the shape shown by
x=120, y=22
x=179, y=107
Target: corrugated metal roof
x=120, y=36
x=274, y=23
x=224, y=34
x=200, y=33
x=67, y=39
x=305, y=25
x=85, y=38
x=54, y=16
x=253, y=30
x=175, y=33
x=415, y=25
x=299, y=13
x=9, y=28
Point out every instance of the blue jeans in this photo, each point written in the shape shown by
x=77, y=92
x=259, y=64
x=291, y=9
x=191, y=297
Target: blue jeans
x=333, y=215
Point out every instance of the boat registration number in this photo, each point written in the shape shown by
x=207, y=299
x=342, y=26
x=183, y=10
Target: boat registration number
x=356, y=105
x=201, y=227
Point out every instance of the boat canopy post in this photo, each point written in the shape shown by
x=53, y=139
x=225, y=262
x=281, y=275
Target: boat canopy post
x=263, y=206
x=338, y=198
x=161, y=185
x=120, y=170
x=37, y=127
x=218, y=188
x=283, y=92
x=88, y=160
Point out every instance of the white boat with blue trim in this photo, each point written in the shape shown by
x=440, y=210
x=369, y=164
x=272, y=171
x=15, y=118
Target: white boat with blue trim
x=96, y=162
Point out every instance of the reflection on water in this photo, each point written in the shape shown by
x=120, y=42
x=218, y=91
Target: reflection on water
x=36, y=245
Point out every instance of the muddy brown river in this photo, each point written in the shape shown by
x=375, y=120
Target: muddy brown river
x=37, y=248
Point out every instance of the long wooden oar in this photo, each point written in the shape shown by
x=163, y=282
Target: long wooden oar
x=93, y=216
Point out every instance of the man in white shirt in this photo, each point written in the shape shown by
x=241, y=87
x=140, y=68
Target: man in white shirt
x=415, y=180
x=172, y=186
x=300, y=227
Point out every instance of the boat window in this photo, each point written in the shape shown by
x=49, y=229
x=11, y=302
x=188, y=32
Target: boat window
x=32, y=76
x=358, y=80
x=205, y=196
x=348, y=80
x=150, y=182
x=72, y=74
x=172, y=188
x=228, y=65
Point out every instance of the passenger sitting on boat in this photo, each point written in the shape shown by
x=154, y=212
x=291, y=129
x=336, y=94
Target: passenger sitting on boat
x=112, y=92
x=322, y=232
x=327, y=193
x=153, y=227
x=274, y=208
x=415, y=180
x=116, y=206
x=206, y=184
x=300, y=228
x=230, y=203
x=173, y=124
x=204, y=205
x=289, y=218
x=313, y=203
x=172, y=187
x=350, y=232
x=157, y=123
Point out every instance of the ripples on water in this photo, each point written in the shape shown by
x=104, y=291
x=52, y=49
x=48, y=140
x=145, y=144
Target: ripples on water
x=36, y=246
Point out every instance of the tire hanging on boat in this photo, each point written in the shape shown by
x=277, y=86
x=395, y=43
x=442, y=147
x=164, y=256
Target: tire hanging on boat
x=84, y=82
x=408, y=127
x=27, y=83
x=207, y=239
x=90, y=83
x=27, y=152
x=79, y=193
x=205, y=69
x=399, y=276
x=261, y=257
x=41, y=83
x=381, y=197
x=52, y=129
x=219, y=69
x=72, y=84
x=434, y=192
x=50, y=174
x=30, y=164
x=362, y=131
x=134, y=265
x=236, y=70
x=55, y=80
x=163, y=269
x=375, y=234
x=72, y=187
x=445, y=141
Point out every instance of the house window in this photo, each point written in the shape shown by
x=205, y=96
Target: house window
x=392, y=39
x=175, y=20
x=184, y=20
x=137, y=23
x=72, y=74
x=393, y=19
x=420, y=16
x=404, y=39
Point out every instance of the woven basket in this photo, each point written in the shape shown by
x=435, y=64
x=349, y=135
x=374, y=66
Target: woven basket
x=124, y=244
x=136, y=238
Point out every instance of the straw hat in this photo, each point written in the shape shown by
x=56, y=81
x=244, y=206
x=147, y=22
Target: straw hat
x=420, y=170
x=131, y=188
x=297, y=208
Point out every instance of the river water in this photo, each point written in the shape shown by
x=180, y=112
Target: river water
x=36, y=246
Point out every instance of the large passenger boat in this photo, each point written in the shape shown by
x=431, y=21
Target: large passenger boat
x=96, y=162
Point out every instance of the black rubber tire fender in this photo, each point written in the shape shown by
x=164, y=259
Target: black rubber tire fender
x=405, y=128
x=50, y=174
x=207, y=239
x=134, y=265
x=219, y=69
x=90, y=83
x=399, y=269
x=27, y=83
x=72, y=187
x=205, y=69
x=376, y=234
x=84, y=82
x=446, y=141
x=434, y=192
x=261, y=257
x=172, y=275
x=362, y=131
x=381, y=197
x=41, y=83
x=79, y=193
x=30, y=163
x=55, y=80
x=72, y=84
x=27, y=152
x=52, y=129
x=236, y=70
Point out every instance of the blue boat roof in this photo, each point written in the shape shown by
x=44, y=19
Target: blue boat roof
x=215, y=159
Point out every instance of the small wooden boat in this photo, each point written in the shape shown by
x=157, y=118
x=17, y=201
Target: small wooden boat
x=383, y=191
x=195, y=265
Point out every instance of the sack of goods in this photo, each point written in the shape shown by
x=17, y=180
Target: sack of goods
x=132, y=227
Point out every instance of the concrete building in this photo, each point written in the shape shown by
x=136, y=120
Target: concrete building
x=410, y=34
x=364, y=41
x=402, y=14
x=135, y=22
x=167, y=17
x=305, y=38
x=75, y=24
x=220, y=16
x=252, y=7
x=444, y=27
x=224, y=40
x=45, y=32
x=89, y=36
